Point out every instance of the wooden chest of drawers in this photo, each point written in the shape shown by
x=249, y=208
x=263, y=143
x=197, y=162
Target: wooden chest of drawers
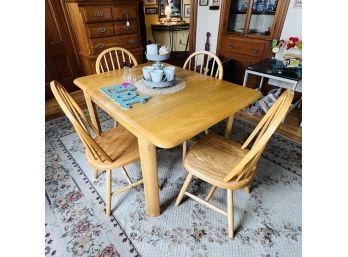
x=98, y=25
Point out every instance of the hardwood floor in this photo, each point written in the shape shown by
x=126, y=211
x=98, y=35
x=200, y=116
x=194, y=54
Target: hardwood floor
x=290, y=128
x=53, y=110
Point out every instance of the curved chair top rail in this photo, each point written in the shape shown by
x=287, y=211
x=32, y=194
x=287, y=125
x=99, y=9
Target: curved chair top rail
x=204, y=63
x=113, y=59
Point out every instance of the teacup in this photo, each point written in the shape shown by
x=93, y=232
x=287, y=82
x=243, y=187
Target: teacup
x=147, y=72
x=170, y=72
x=157, y=76
x=152, y=49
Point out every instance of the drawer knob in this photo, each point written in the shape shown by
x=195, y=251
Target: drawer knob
x=126, y=13
x=231, y=46
x=100, y=45
x=101, y=30
x=99, y=14
x=254, y=50
x=131, y=41
x=125, y=27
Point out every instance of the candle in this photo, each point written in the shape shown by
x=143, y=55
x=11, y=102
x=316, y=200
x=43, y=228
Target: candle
x=152, y=49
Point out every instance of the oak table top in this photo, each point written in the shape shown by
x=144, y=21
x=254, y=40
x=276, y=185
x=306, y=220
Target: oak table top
x=167, y=120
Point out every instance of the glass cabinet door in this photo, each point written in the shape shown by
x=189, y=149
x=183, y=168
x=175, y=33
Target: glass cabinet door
x=262, y=17
x=252, y=17
x=237, y=17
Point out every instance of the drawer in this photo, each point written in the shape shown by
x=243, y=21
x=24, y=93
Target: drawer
x=126, y=41
x=101, y=29
x=120, y=12
x=244, y=47
x=97, y=13
x=121, y=28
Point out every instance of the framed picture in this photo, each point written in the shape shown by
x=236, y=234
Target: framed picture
x=151, y=10
x=215, y=5
x=187, y=10
x=150, y=2
x=203, y=2
x=298, y=3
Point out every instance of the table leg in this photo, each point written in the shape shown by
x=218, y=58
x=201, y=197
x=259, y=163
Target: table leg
x=187, y=42
x=295, y=85
x=148, y=161
x=229, y=123
x=92, y=112
x=171, y=40
x=153, y=35
x=261, y=82
x=245, y=78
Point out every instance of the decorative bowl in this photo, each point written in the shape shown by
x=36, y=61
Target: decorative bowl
x=159, y=84
x=158, y=58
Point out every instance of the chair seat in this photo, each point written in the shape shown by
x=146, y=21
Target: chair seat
x=120, y=145
x=212, y=158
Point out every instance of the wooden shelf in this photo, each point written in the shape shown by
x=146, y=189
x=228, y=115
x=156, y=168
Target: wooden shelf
x=255, y=12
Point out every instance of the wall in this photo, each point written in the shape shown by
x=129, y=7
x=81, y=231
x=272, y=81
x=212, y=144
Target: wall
x=162, y=37
x=292, y=25
x=292, y=28
x=207, y=21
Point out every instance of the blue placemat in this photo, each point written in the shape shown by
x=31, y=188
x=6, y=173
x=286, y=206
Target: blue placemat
x=125, y=95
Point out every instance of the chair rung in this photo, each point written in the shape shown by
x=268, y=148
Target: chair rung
x=211, y=206
x=125, y=188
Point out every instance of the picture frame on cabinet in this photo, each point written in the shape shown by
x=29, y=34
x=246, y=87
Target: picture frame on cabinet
x=151, y=10
x=298, y=3
x=187, y=10
x=215, y=5
x=203, y=2
x=150, y=2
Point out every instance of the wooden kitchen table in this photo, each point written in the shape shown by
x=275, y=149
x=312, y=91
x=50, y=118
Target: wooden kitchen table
x=167, y=120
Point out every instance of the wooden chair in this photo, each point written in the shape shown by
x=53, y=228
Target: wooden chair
x=229, y=165
x=113, y=59
x=112, y=149
x=201, y=61
x=197, y=60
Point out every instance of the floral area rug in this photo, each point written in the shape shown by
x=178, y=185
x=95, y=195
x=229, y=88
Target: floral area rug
x=267, y=222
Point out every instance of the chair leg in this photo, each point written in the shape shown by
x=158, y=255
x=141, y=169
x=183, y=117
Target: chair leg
x=108, y=192
x=125, y=174
x=230, y=213
x=183, y=189
x=211, y=192
x=248, y=189
x=115, y=123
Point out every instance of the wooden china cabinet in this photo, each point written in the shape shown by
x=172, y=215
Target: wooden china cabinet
x=100, y=24
x=246, y=31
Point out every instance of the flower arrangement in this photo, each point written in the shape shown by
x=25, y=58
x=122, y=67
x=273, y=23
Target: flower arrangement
x=292, y=48
x=294, y=42
x=163, y=50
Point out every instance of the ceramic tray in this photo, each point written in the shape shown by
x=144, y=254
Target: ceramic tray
x=158, y=57
x=159, y=84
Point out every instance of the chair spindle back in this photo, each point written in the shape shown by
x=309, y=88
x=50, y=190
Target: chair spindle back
x=200, y=61
x=81, y=123
x=246, y=168
x=113, y=59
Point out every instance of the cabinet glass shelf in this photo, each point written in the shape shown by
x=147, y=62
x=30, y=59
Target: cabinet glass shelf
x=256, y=13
